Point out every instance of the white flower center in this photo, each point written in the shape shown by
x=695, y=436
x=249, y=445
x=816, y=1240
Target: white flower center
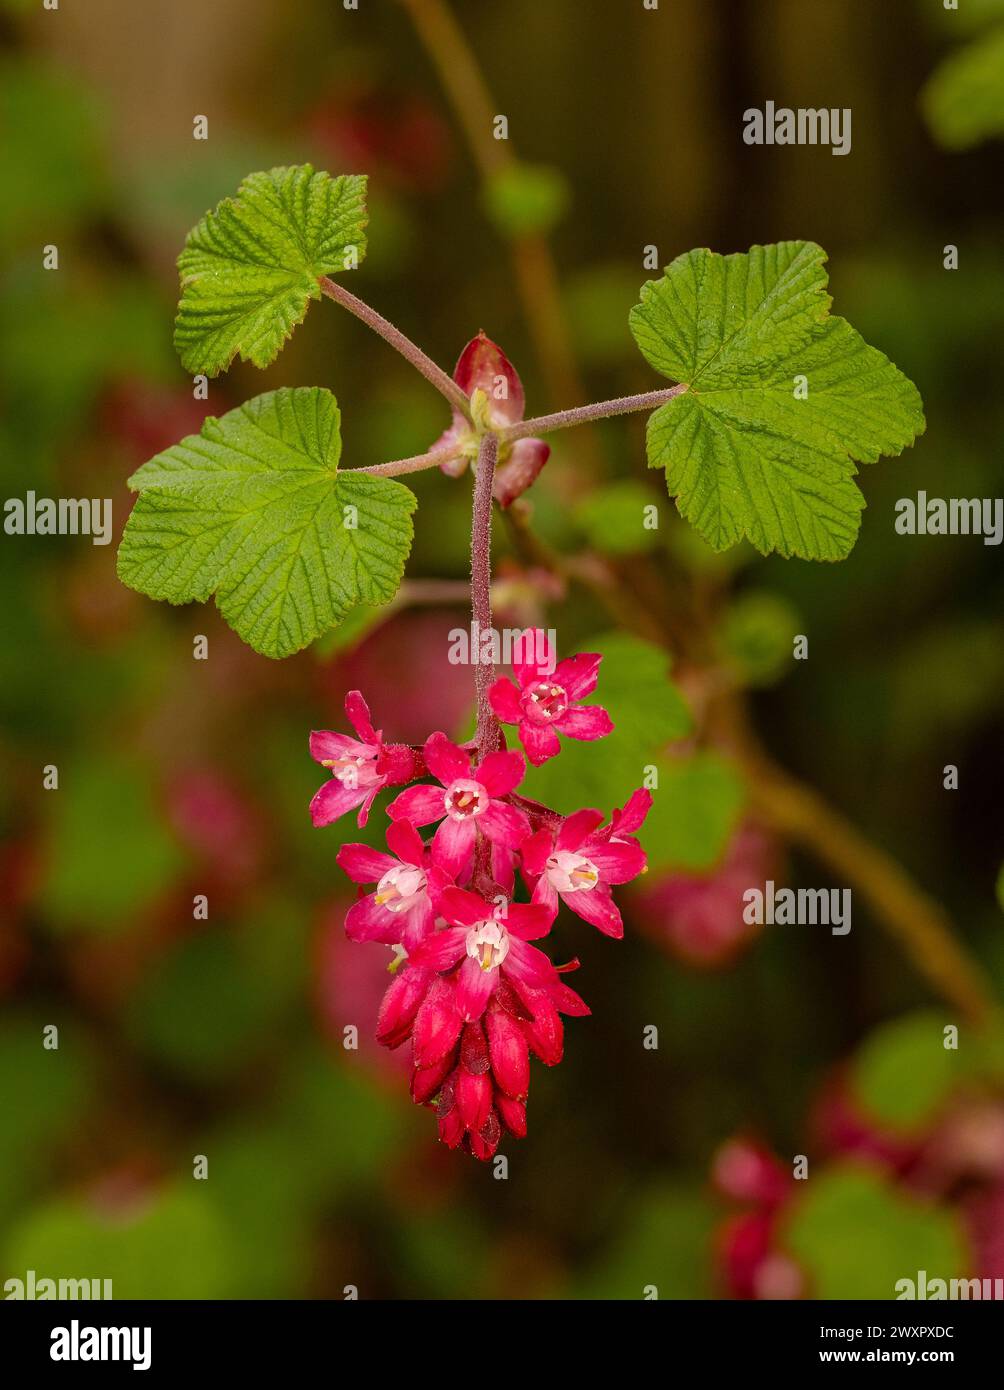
x=488, y=944
x=400, y=888
x=571, y=873
x=466, y=798
x=352, y=771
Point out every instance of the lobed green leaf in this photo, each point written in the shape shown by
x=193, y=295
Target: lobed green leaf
x=782, y=399
x=254, y=510
x=250, y=267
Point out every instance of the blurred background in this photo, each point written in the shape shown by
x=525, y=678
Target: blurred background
x=666, y=1167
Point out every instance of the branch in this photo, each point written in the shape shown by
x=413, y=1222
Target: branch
x=536, y=273
x=413, y=354
x=582, y=414
x=919, y=924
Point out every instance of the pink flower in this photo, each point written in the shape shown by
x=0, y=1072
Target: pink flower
x=487, y=938
x=482, y=365
x=694, y=914
x=544, y=705
x=747, y=1171
x=470, y=801
x=400, y=911
x=581, y=862
x=359, y=767
x=748, y=1249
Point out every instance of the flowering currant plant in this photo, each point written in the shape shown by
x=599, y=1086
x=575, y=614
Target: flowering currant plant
x=772, y=403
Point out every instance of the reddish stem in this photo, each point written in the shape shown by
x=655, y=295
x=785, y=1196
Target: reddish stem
x=489, y=733
x=414, y=464
x=601, y=410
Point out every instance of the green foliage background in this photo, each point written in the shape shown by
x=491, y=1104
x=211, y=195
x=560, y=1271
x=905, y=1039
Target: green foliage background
x=222, y=1038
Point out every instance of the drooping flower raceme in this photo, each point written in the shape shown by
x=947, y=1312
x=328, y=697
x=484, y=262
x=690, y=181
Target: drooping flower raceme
x=471, y=993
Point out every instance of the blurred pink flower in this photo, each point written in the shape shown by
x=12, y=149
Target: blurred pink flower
x=700, y=916
x=219, y=823
x=750, y=1263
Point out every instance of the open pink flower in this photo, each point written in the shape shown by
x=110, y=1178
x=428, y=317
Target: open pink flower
x=482, y=365
x=400, y=910
x=466, y=802
x=488, y=938
x=545, y=702
x=360, y=767
x=579, y=864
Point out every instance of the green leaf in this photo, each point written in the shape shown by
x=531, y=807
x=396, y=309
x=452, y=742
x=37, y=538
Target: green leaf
x=47, y=1094
x=614, y=517
x=254, y=509
x=665, y=1243
x=353, y=629
x=250, y=268
x=110, y=855
x=971, y=17
x=744, y=455
x=757, y=634
x=51, y=168
x=695, y=809
x=171, y=1244
x=524, y=199
x=856, y=1236
x=648, y=712
x=904, y=1073
x=963, y=101
x=207, y=1011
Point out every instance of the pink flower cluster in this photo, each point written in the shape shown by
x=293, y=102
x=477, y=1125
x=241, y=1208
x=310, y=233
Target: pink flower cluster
x=472, y=993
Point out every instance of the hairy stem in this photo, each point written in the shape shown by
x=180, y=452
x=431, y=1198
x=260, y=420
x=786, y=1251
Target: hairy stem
x=402, y=344
x=583, y=414
x=432, y=459
x=488, y=735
